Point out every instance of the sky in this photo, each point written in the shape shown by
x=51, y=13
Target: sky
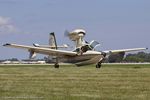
x=116, y=24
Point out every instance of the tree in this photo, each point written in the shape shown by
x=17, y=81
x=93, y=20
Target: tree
x=117, y=57
x=139, y=57
x=14, y=59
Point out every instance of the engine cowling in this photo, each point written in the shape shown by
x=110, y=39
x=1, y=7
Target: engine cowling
x=76, y=34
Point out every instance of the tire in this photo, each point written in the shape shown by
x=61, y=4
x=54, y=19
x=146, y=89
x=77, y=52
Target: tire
x=98, y=65
x=56, y=65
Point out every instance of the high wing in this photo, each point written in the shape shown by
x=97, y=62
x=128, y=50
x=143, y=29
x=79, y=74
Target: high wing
x=41, y=50
x=124, y=50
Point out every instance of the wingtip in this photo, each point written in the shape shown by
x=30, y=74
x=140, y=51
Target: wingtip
x=7, y=44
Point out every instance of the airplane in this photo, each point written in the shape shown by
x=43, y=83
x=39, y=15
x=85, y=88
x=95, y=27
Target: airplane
x=83, y=54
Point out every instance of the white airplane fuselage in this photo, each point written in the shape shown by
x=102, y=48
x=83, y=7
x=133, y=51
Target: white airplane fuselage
x=90, y=57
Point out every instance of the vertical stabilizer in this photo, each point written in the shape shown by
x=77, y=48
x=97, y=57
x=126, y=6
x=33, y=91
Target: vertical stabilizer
x=52, y=41
x=52, y=45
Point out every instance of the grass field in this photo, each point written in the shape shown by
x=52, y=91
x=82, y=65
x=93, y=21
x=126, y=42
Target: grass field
x=43, y=82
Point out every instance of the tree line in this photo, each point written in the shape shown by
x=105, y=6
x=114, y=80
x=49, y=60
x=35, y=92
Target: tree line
x=137, y=57
x=115, y=58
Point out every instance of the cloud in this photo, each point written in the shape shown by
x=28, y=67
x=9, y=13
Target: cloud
x=6, y=25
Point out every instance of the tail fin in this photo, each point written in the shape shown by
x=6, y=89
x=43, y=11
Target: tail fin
x=52, y=41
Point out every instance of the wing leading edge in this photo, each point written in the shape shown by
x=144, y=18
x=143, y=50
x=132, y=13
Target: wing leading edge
x=41, y=50
x=55, y=52
x=124, y=50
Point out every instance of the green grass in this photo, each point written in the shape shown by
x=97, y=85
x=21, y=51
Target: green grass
x=43, y=82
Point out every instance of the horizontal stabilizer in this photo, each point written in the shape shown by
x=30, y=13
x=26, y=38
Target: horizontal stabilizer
x=48, y=46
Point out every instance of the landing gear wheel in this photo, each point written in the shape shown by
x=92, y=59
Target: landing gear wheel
x=98, y=65
x=56, y=65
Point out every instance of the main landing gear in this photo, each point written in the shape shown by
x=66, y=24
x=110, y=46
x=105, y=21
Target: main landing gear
x=98, y=65
x=56, y=65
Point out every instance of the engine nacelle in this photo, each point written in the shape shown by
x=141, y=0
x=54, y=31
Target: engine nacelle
x=76, y=34
x=79, y=31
